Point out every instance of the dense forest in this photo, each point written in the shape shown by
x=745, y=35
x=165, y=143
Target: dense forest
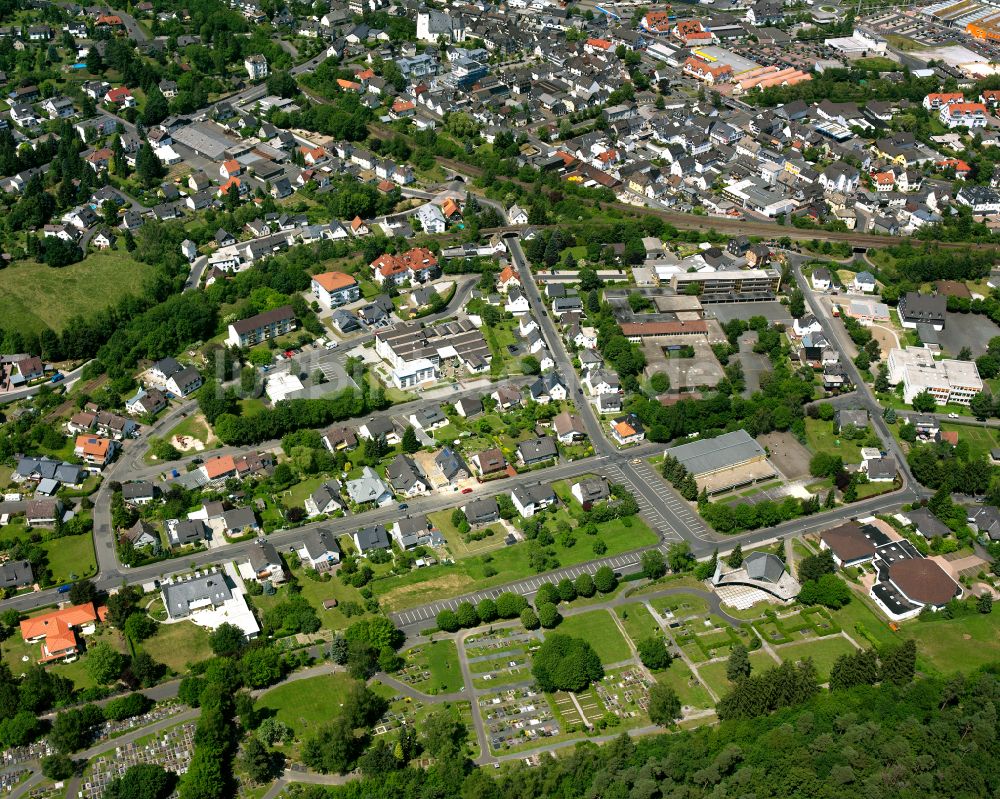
x=932, y=738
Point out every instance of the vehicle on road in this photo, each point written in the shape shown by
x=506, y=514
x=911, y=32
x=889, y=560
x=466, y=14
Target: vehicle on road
x=64, y=589
x=466, y=490
x=56, y=377
x=952, y=415
x=403, y=506
x=332, y=345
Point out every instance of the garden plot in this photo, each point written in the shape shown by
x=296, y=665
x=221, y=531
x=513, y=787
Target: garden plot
x=490, y=644
x=802, y=625
x=625, y=693
x=710, y=638
x=501, y=671
x=566, y=709
x=517, y=716
x=170, y=749
x=592, y=707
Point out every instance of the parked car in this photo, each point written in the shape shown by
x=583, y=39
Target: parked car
x=466, y=490
x=56, y=377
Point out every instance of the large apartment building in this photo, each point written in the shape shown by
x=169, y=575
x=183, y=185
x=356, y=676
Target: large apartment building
x=259, y=328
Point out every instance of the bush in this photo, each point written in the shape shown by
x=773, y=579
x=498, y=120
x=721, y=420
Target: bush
x=653, y=653
x=510, y=605
x=127, y=706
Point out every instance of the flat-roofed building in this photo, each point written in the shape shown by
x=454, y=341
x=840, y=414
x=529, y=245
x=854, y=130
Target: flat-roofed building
x=728, y=284
x=947, y=380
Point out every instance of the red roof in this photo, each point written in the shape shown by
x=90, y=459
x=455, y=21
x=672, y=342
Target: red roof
x=601, y=44
x=118, y=95
x=332, y=281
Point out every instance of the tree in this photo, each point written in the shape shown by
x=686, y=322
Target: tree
x=257, y=760
x=227, y=640
x=376, y=631
x=548, y=615
x=565, y=663
x=981, y=405
x=679, y=557
x=530, y=365
x=510, y=605
x=796, y=304
x=829, y=590
x=584, y=585
x=653, y=653
x=653, y=564
x=148, y=168
x=333, y=748
x=104, y=663
x=142, y=781
x=566, y=589
x=605, y=580
x=813, y=567
x=530, y=619
x=924, y=402
x=486, y=609
x=72, y=729
x=410, y=443
x=443, y=734
x=146, y=670
x=58, y=766
x=735, y=559
x=664, y=705
x=738, y=665
x=855, y=668
x=82, y=592
x=139, y=627
x=156, y=109
x=466, y=615
x=899, y=663
x=984, y=603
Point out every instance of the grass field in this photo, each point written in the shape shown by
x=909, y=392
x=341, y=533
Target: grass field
x=440, y=658
x=510, y=563
x=681, y=605
x=33, y=296
x=638, y=622
x=691, y=692
x=821, y=438
x=194, y=426
x=306, y=704
x=962, y=644
x=714, y=674
x=597, y=627
x=823, y=652
x=71, y=557
x=176, y=645
x=980, y=439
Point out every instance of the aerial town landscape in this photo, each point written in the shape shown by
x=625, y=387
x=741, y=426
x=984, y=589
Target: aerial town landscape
x=451, y=399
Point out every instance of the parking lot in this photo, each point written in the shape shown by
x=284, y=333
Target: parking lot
x=967, y=330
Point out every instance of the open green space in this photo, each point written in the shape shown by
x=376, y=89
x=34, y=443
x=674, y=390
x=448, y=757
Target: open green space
x=638, y=622
x=877, y=64
x=599, y=629
x=317, y=590
x=689, y=688
x=714, y=674
x=297, y=494
x=177, y=645
x=980, y=439
x=71, y=557
x=823, y=651
x=456, y=541
x=807, y=622
x=440, y=660
x=306, y=704
x=34, y=296
x=681, y=605
x=864, y=624
x=194, y=426
x=821, y=438
x=503, y=565
x=962, y=644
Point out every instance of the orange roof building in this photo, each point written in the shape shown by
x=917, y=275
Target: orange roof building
x=392, y=267
x=57, y=630
x=94, y=450
x=449, y=207
x=508, y=274
x=232, y=183
x=335, y=281
x=598, y=44
x=219, y=466
x=231, y=168
x=348, y=85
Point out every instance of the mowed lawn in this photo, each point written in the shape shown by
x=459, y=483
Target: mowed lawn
x=638, y=622
x=980, y=439
x=177, y=645
x=306, y=704
x=509, y=563
x=962, y=644
x=599, y=629
x=689, y=690
x=821, y=438
x=823, y=651
x=71, y=557
x=33, y=296
x=714, y=674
